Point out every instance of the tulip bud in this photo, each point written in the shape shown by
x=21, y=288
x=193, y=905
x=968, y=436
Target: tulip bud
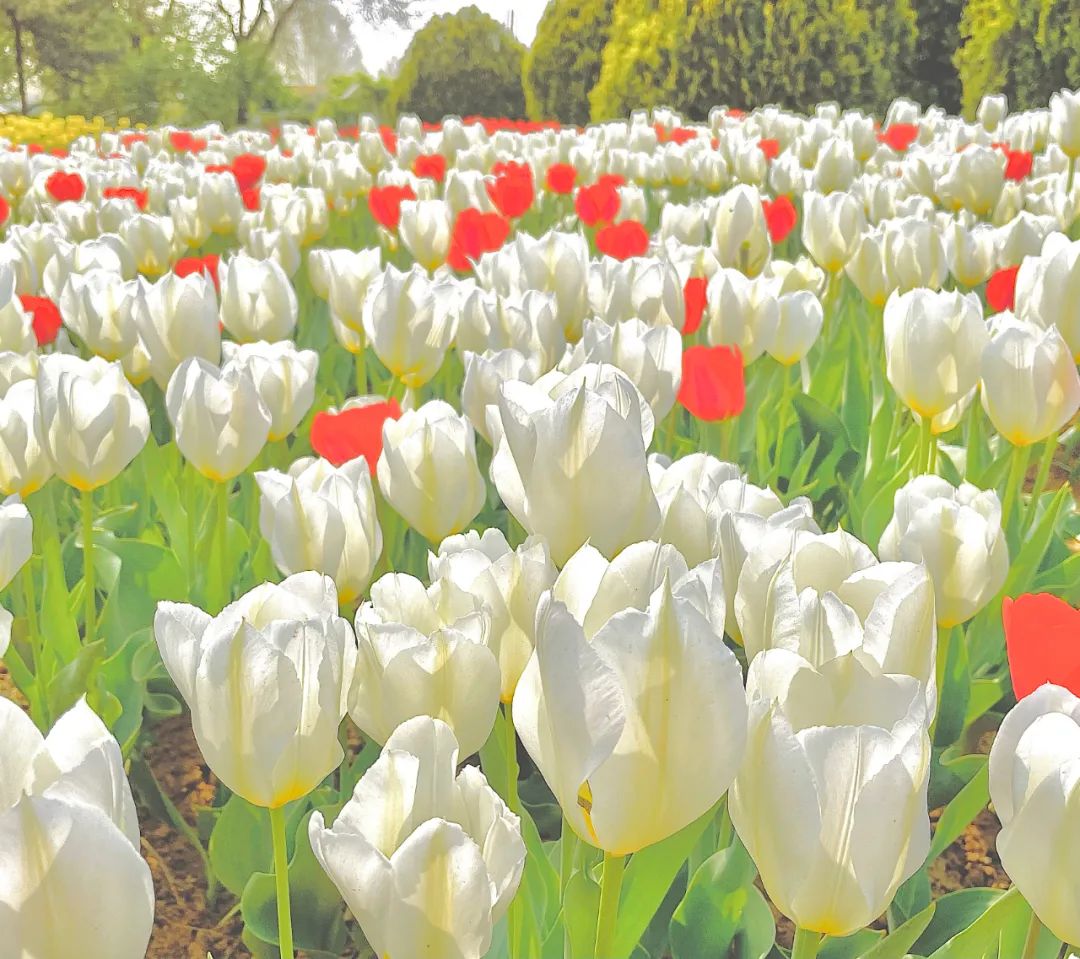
x=595, y=424
x=1065, y=122
x=220, y=204
x=424, y=652
x=99, y=307
x=971, y=253
x=412, y=831
x=740, y=234
x=177, y=318
x=834, y=753
x=74, y=881
x=609, y=719
x=1030, y=387
x=507, y=582
x=933, y=344
x=741, y=312
x=407, y=330
x=321, y=517
x=150, y=239
x=284, y=377
x=914, y=255
x=956, y=533
x=973, y=180
x=558, y=263
x=220, y=421
x=645, y=288
x=832, y=228
x=993, y=109
x=1032, y=785
x=484, y=375
x=528, y=323
x=425, y=230
x=90, y=420
x=801, y=320
x=428, y=472
x=835, y=167
x=267, y=682
x=257, y=299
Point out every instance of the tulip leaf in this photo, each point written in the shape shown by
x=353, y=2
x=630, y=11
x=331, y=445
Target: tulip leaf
x=961, y=811
x=911, y=898
x=849, y=947
x=70, y=683
x=582, y=906
x=240, y=844
x=317, y=914
x=648, y=878
x=722, y=914
x=967, y=922
x=897, y=944
x=954, y=686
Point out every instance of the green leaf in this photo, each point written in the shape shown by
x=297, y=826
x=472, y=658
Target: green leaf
x=648, y=878
x=69, y=685
x=960, y=812
x=850, y=947
x=723, y=914
x=954, y=687
x=241, y=845
x=318, y=919
x=582, y=906
x=897, y=943
x=966, y=922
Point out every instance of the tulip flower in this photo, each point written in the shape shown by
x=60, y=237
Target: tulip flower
x=1033, y=784
x=1030, y=386
x=642, y=288
x=713, y=385
x=355, y=430
x=99, y=307
x=742, y=313
x=484, y=375
x=257, y=299
x=528, y=323
x=558, y=263
x=933, y=344
x=695, y=296
x=623, y=240
x=407, y=330
x=1001, y=289
x=913, y=254
x=430, y=166
x=596, y=426
x=1043, y=642
x=220, y=205
x=219, y=419
x=426, y=862
x=284, y=377
x=177, y=318
x=428, y=472
x=511, y=189
x=1047, y=287
x=598, y=203
x=65, y=187
x=833, y=754
x=17, y=332
x=16, y=538
x=73, y=880
x=800, y=323
x=973, y=180
x=560, y=179
x=425, y=228
x=24, y=462
x=45, y=318
x=322, y=517
x=956, y=533
x=971, y=255
x=833, y=224
x=610, y=719
x=781, y=218
x=740, y=234
x=385, y=204
x=424, y=652
x=1065, y=132
x=507, y=582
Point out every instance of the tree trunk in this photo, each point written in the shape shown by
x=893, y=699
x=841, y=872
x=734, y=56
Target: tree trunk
x=20, y=66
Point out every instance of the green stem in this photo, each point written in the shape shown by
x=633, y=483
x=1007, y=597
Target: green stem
x=787, y=396
x=89, y=591
x=806, y=944
x=567, y=854
x=1046, y=461
x=1031, y=943
x=1071, y=176
x=281, y=881
x=610, y=892
x=221, y=542
x=1017, y=470
x=926, y=441
x=38, y=701
x=510, y=755
x=190, y=478
x=361, y=372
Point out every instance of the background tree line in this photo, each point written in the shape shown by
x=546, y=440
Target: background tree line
x=189, y=61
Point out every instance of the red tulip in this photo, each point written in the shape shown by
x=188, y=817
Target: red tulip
x=63, y=187
x=713, y=386
x=389, y=139
x=623, y=240
x=130, y=139
x=900, y=136
x=771, y=148
x=430, y=165
x=1042, y=638
x=598, y=203
x=248, y=168
x=1001, y=289
x=694, y=296
x=384, y=202
x=184, y=141
x=251, y=197
x=1017, y=164
x=139, y=197
x=474, y=234
x=512, y=189
x=340, y=437
x=5, y=210
x=780, y=217
x=199, y=264
x=45, y=317
x=561, y=178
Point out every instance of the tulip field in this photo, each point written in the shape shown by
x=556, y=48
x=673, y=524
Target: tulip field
x=653, y=540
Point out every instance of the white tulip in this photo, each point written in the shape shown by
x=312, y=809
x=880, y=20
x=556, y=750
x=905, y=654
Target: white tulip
x=284, y=377
x=257, y=299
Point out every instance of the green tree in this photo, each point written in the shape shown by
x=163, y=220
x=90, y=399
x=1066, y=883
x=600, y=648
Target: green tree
x=347, y=97
x=640, y=68
x=563, y=63
x=933, y=74
x=1025, y=50
x=462, y=63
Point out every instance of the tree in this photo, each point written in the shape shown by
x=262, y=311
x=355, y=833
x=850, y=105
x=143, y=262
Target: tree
x=463, y=63
x=934, y=77
x=563, y=63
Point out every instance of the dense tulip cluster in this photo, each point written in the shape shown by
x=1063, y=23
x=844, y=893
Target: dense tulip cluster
x=563, y=535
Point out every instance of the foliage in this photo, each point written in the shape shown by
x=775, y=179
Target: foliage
x=358, y=93
x=933, y=74
x=1025, y=50
x=563, y=63
x=462, y=63
x=803, y=51
x=640, y=64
